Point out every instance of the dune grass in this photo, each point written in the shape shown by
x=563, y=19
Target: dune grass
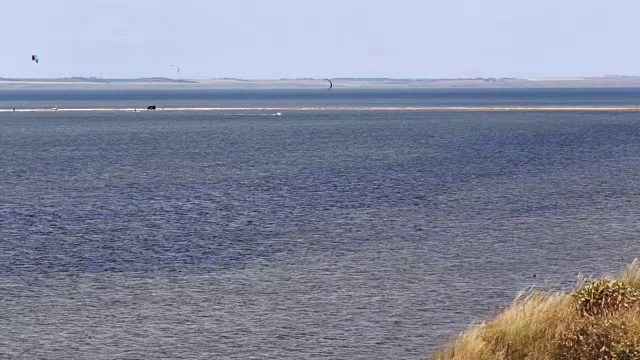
x=600, y=319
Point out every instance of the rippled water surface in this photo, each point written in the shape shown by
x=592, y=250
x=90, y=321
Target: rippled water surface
x=339, y=97
x=333, y=235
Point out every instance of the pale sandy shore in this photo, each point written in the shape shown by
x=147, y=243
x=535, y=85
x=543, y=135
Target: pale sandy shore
x=282, y=109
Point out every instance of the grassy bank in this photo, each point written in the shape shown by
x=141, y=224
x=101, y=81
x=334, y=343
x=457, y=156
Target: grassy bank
x=600, y=319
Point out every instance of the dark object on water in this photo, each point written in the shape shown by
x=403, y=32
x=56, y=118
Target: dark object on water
x=152, y=107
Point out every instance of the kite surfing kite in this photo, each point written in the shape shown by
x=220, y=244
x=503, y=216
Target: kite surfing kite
x=330, y=84
x=177, y=67
x=35, y=58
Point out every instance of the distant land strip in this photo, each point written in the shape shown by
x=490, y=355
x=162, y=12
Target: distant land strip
x=363, y=108
x=339, y=83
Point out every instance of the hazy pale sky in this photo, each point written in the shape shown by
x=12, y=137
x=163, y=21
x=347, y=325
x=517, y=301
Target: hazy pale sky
x=324, y=38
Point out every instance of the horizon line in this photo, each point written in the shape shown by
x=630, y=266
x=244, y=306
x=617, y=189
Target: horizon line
x=379, y=78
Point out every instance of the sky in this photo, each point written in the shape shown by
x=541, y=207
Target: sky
x=272, y=39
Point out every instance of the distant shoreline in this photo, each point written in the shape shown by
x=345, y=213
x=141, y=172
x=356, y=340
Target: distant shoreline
x=338, y=83
x=360, y=108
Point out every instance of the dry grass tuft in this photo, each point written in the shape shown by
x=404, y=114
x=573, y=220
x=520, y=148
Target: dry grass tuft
x=598, y=320
x=631, y=275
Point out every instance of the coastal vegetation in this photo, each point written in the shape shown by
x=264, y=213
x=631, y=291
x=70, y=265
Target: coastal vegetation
x=599, y=319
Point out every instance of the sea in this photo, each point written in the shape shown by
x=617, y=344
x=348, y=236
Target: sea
x=316, y=234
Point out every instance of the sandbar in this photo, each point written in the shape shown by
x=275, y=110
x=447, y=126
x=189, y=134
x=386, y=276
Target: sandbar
x=365, y=108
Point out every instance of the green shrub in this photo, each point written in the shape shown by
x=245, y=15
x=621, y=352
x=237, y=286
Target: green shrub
x=603, y=337
x=626, y=350
x=602, y=297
